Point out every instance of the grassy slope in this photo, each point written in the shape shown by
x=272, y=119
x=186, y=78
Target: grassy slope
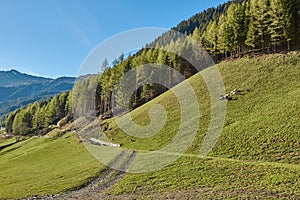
x=256, y=156
x=262, y=124
x=216, y=178
x=44, y=166
x=5, y=142
x=262, y=127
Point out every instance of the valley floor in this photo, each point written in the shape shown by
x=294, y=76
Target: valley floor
x=196, y=177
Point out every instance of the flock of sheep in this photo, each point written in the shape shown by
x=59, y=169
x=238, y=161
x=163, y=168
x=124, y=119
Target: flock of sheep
x=230, y=95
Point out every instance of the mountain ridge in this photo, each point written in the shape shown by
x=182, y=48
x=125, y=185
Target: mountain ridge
x=14, y=77
x=20, y=89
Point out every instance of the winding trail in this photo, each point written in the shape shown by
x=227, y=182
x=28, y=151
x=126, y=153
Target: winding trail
x=105, y=180
x=97, y=188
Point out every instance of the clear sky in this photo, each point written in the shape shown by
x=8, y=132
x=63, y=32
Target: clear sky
x=52, y=38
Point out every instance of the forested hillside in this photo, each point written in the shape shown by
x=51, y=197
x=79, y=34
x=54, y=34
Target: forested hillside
x=257, y=154
x=264, y=26
x=20, y=89
x=234, y=29
x=39, y=115
x=64, y=147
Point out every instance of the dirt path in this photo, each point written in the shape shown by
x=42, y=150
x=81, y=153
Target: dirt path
x=97, y=188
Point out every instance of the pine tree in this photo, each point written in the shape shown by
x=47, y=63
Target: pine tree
x=104, y=65
x=252, y=39
x=211, y=37
x=229, y=29
x=282, y=25
x=9, y=121
x=62, y=101
x=221, y=46
x=289, y=31
x=196, y=35
x=236, y=28
x=39, y=118
x=21, y=123
x=297, y=22
x=258, y=34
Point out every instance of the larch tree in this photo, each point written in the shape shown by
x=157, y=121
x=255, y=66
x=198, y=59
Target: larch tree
x=222, y=47
x=211, y=37
x=282, y=22
x=9, y=121
x=236, y=29
x=196, y=35
x=258, y=34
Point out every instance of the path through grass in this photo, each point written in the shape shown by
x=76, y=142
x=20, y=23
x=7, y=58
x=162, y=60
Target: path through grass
x=45, y=166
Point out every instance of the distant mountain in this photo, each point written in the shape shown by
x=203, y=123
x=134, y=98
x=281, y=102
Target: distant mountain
x=19, y=89
x=15, y=78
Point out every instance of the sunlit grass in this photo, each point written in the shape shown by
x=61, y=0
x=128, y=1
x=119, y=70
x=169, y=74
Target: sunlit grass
x=261, y=126
x=43, y=166
x=257, y=155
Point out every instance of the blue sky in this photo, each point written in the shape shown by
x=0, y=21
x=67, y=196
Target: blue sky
x=52, y=38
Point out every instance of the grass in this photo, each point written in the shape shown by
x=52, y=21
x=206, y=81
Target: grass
x=5, y=142
x=261, y=126
x=219, y=177
x=264, y=123
x=44, y=166
x=257, y=155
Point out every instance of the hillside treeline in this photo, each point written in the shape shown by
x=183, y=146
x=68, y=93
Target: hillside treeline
x=233, y=29
x=39, y=115
x=262, y=26
x=94, y=93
